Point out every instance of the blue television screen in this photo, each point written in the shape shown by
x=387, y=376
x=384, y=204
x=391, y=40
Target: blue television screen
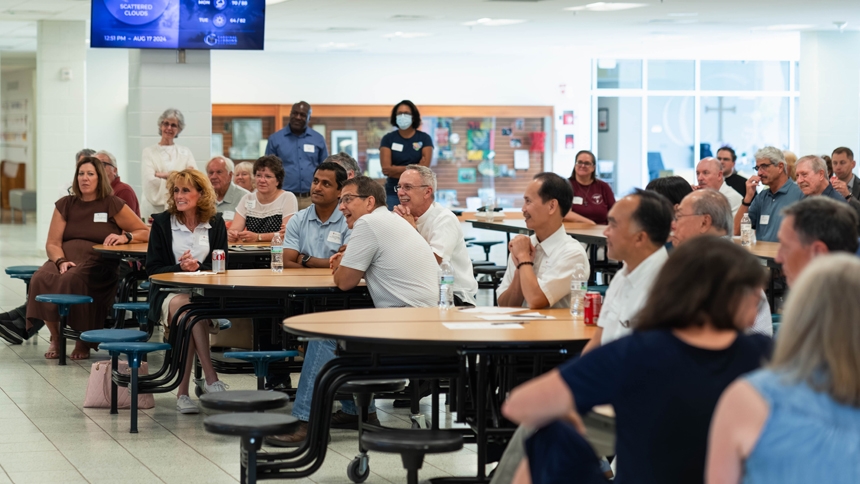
x=178, y=24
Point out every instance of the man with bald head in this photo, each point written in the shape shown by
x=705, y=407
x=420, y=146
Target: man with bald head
x=227, y=194
x=301, y=150
x=120, y=189
x=709, y=174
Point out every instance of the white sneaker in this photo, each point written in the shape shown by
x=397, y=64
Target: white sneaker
x=218, y=386
x=185, y=405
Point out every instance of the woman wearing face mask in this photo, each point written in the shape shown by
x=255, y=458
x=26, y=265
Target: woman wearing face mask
x=405, y=146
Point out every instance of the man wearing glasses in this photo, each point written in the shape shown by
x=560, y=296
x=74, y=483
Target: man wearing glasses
x=765, y=208
x=400, y=271
x=439, y=227
x=120, y=189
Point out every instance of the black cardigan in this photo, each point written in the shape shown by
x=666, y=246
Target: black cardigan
x=159, y=255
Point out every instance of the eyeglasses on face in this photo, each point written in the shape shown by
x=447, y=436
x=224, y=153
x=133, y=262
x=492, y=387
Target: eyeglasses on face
x=762, y=166
x=346, y=199
x=167, y=124
x=584, y=163
x=407, y=188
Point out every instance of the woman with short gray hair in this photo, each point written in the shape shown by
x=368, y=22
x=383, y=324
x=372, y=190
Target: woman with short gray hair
x=159, y=160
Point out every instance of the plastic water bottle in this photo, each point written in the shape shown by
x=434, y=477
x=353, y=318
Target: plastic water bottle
x=277, y=253
x=578, y=288
x=446, y=286
x=746, y=230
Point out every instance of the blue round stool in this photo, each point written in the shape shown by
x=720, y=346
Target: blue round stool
x=25, y=273
x=140, y=310
x=134, y=352
x=113, y=336
x=261, y=361
x=144, y=286
x=64, y=303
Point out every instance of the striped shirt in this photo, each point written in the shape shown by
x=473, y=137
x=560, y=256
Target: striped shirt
x=398, y=265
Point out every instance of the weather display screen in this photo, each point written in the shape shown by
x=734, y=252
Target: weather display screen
x=178, y=24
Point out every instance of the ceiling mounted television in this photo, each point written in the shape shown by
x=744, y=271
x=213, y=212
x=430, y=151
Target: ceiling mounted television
x=178, y=24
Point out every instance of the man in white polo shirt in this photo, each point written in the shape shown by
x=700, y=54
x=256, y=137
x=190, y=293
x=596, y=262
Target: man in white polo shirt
x=540, y=266
x=400, y=271
x=439, y=227
x=709, y=174
x=639, y=226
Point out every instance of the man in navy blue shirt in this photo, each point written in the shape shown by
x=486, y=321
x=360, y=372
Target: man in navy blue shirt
x=301, y=150
x=812, y=178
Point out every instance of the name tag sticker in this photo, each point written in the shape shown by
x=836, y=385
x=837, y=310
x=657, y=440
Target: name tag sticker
x=334, y=237
x=764, y=219
x=396, y=147
x=577, y=200
x=100, y=217
x=309, y=148
x=250, y=204
x=228, y=215
x=203, y=240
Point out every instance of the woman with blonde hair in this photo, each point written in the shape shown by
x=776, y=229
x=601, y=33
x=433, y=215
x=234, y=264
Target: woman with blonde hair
x=798, y=420
x=243, y=176
x=182, y=240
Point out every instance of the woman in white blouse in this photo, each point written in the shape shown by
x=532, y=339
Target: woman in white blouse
x=158, y=161
x=262, y=213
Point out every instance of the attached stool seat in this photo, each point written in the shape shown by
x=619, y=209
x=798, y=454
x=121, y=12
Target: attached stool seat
x=494, y=280
x=252, y=428
x=244, y=401
x=113, y=336
x=64, y=303
x=359, y=468
x=144, y=286
x=412, y=445
x=486, y=246
x=135, y=352
x=261, y=361
x=140, y=310
x=25, y=273
x=777, y=321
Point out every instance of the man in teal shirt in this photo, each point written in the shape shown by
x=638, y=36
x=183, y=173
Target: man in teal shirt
x=765, y=208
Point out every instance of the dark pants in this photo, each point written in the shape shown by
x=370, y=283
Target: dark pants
x=558, y=454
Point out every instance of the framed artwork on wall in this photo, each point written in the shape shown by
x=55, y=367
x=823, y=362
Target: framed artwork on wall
x=344, y=140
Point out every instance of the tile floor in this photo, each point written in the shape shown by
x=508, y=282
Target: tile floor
x=47, y=437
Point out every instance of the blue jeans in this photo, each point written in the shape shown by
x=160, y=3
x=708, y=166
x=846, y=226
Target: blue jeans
x=317, y=354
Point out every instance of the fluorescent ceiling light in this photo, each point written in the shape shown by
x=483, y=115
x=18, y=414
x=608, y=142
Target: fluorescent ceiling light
x=494, y=22
x=606, y=6
x=406, y=35
x=786, y=27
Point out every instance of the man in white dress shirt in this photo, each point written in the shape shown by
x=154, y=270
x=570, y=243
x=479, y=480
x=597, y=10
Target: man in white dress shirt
x=709, y=174
x=707, y=212
x=540, y=266
x=639, y=226
x=439, y=227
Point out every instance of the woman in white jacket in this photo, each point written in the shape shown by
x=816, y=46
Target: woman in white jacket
x=158, y=161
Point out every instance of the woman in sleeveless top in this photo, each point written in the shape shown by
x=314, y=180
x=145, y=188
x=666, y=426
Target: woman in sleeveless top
x=90, y=217
x=798, y=420
x=264, y=212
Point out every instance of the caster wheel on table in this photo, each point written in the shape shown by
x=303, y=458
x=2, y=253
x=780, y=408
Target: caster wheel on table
x=358, y=470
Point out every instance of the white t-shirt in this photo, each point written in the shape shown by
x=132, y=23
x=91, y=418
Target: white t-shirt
x=266, y=218
x=158, y=158
x=441, y=229
x=183, y=239
x=626, y=295
x=735, y=199
x=398, y=265
x=555, y=259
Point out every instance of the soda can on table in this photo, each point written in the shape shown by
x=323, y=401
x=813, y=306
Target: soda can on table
x=219, y=261
x=593, y=303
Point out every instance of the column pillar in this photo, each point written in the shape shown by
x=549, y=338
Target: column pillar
x=156, y=81
x=61, y=111
x=829, y=91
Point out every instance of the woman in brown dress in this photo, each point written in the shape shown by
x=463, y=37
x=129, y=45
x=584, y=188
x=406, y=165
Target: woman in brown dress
x=90, y=217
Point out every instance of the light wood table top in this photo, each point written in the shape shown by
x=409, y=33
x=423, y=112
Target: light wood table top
x=473, y=215
x=249, y=280
x=426, y=326
x=763, y=250
x=586, y=233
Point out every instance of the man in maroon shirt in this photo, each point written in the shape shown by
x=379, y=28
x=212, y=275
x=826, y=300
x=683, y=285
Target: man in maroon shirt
x=120, y=189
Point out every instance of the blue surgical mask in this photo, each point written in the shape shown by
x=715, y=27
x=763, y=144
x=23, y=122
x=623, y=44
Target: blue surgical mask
x=404, y=121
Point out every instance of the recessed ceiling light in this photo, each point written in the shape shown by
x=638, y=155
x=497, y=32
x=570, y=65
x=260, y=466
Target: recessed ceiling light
x=606, y=6
x=406, y=35
x=786, y=27
x=493, y=22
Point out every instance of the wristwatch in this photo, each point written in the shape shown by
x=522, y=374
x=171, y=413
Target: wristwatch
x=129, y=236
x=305, y=259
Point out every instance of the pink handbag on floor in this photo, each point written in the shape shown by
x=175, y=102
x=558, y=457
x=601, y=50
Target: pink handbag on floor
x=98, y=387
